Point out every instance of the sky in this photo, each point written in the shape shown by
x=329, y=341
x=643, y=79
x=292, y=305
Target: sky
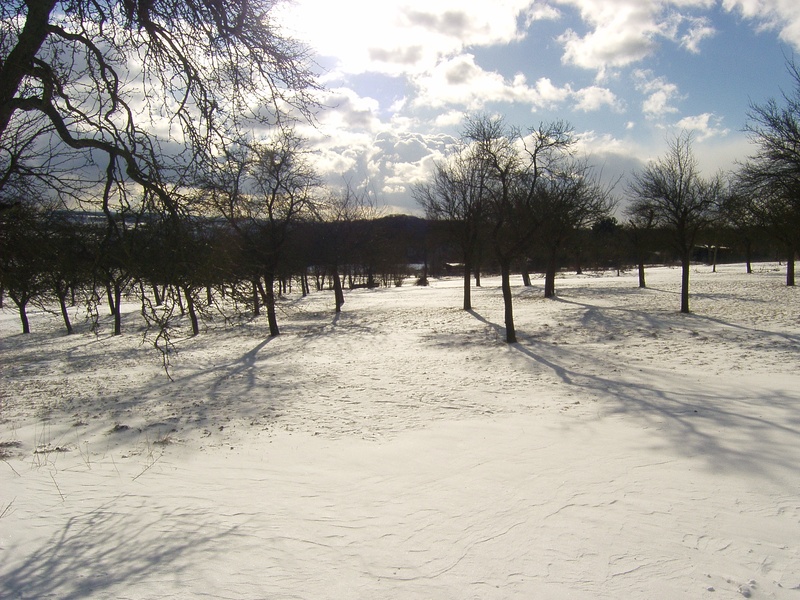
x=401, y=75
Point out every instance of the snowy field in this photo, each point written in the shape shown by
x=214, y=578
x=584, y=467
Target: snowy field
x=402, y=450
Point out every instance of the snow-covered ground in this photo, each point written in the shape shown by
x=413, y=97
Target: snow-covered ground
x=402, y=450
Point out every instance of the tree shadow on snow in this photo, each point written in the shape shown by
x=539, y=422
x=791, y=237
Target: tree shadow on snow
x=749, y=431
x=101, y=550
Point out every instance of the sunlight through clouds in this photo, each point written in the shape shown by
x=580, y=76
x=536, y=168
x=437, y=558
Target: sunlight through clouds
x=402, y=36
x=403, y=74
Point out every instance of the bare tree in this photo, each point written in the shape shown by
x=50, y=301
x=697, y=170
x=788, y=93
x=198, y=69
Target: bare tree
x=740, y=216
x=105, y=75
x=457, y=195
x=517, y=165
x=772, y=176
x=680, y=199
x=641, y=215
x=262, y=190
x=23, y=256
x=568, y=200
x=340, y=234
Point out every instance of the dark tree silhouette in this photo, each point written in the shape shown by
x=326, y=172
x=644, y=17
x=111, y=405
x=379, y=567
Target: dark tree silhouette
x=518, y=166
x=103, y=75
x=680, y=199
x=458, y=195
x=263, y=190
x=772, y=175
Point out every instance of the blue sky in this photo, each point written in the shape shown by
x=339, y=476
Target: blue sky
x=400, y=76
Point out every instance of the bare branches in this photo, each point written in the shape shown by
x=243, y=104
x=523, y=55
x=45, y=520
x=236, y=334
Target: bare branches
x=670, y=192
x=156, y=84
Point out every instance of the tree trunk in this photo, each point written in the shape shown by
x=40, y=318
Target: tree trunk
x=209, y=296
x=23, y=316
x=110, y=294
x=685, y=269
x=177, y=294
x=271, y=316
x=790, y=268
x=642, y=283
x=22, y=304
x=263, y=291
x=22, y=56
x=62, y=301
x=526, y=278
x=505, y=271
x=467, y=289
x=714, y=260
x=159, y=296
x=748, y=255
x=338, y=294
x=256, y=301
x=475, y=264
x=118, y=310
x=187, y=293
x=550, y=277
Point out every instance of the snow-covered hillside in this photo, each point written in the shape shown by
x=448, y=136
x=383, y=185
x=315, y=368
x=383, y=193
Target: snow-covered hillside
x=403, y=450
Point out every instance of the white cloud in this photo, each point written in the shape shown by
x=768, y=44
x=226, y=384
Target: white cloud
x=623, y=32
x=594, y=98
x=659, y=94
x=782, y=15
x=704, y=126
x=449, y=119
x=460, y=82
x=698, y=31
x=401, y=36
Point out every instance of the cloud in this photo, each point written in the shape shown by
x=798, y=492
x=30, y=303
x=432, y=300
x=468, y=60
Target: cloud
x=353, y=145
x=594, y=98
x=410, y=55
x=699, y=30
x=460, y=82
x=624, y=32
x=659, y=93
x=781, y=15
x=621, y=32
x=704, y=126
x=399, y=37
x=541, y=12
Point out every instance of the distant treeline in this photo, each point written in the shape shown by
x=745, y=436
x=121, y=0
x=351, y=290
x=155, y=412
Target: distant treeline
x=61, y=258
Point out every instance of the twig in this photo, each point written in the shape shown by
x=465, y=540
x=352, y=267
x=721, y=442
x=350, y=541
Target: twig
x=7, y=508
x=58, y=488
x=147, y=468
x=10, y=466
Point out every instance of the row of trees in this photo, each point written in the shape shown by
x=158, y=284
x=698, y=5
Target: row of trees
x=128, y=108
x=174, y=121
x=761, y=195
x=505, y=190
x=209, y=267
x=518, y=194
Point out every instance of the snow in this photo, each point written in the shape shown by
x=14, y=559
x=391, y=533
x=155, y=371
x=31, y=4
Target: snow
x=403, y=450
